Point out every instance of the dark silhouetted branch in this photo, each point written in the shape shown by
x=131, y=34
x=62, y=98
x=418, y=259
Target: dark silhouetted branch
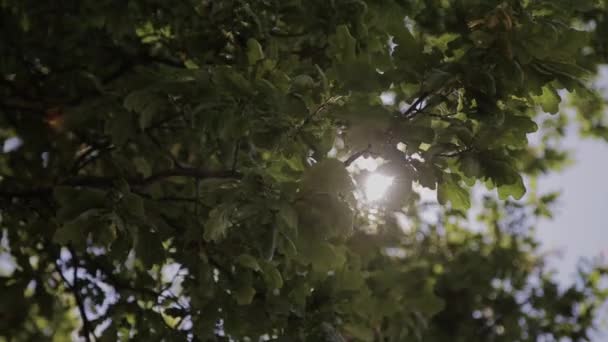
x=74, y=289
x=356, y=156
x=106, y=182
x=413, y=109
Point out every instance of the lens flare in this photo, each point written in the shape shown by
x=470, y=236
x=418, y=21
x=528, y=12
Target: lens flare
x=376, y=186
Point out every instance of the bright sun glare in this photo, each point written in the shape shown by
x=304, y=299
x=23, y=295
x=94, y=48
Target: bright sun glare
x=376, y=185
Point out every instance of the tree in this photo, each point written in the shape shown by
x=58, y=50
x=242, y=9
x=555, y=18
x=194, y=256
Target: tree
x=179, y=171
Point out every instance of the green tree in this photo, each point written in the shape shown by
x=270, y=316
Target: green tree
x=186, y=171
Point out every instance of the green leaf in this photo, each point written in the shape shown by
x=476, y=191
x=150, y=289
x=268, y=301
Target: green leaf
x=360, y=332
x=233, y=81
x=288, y=216
x=499, y=169
x=134, y=205
x=469, y=165
x=516, y=190
x=301, y=83
x=71, y=232
x=146, y=103
x=549, y=100
x=327, y=176
x=488, y=83
x=326, y=214
x=481, y=38
x=350, y=280
x=77, y=230
x=294, y=105
x=323, y=256
x=272, y=276
x=436, y=79
x=218, y=223
x=514, y=131
x=408, y=51
x=244, y=295
x=428, y=304
x=414, y=134
x=142, y=166
x=450, y=191
x=427, y=174
x=107, y=232
x=343, y=44
x=120, y=127
x=148, y=247
x=175, y=312
x=359, y=75
x=255, y=53
x=248, y=261
x=14, y=306
x=73, y=201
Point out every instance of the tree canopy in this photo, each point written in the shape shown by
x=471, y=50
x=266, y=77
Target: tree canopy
x=189, y=170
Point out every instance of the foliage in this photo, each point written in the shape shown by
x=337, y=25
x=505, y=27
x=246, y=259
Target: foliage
x=182, y=173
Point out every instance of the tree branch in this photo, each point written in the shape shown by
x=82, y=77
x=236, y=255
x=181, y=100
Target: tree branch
x=158, y=144
x=28, y=193
x=454, y=154
x=319, y=109
x=123, y=285
x=353, y=157
x=74, y=289
x=105, y=182
x=88, y=157
x=186, y=172
x=409, y=113
x=22, y=105
x=356, y=156
x=94, y=181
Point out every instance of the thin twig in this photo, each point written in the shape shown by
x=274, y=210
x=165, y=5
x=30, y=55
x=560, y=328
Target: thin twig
x=197, y=184
x=161, y=122
x=409, y=113
x=356, y=156
x=158, y=144
x=235, y=155
x=319, y=109
x=277, y=33
x=273, y=243
x=89, y=156
x=100, y=154
x=117, y=283
x=81, y=158
x=440, y=116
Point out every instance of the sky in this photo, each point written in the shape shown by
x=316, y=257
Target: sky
x=578, y=228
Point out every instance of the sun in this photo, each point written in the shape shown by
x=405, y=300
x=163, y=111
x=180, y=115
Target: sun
x=376, y=186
